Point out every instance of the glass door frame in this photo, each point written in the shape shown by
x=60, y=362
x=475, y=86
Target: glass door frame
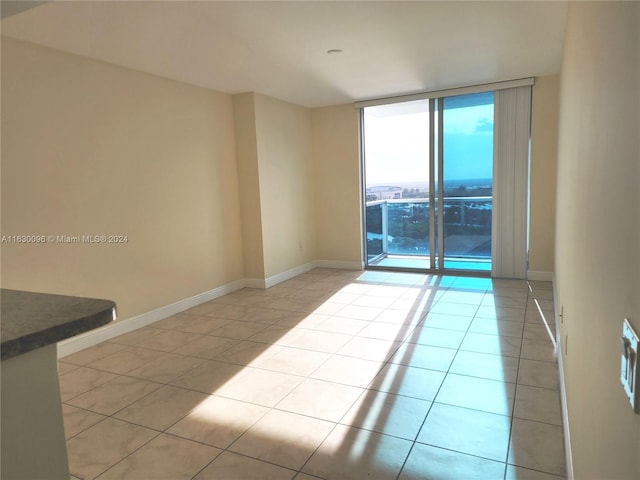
x=434, y=243
x=435, y=195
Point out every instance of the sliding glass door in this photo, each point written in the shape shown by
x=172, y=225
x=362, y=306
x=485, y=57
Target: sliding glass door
x=396, y=144
x=467, y=186
x=428, y=183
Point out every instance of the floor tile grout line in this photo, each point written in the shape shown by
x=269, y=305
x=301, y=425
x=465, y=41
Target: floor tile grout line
x=510, y=416
x=168, y=382
x=209, y=463
x=335, y=425
x=130, y=453
x=403, y=341
x=515, y=395
x=367, y=387
x=118, y=375
x=385, y=364
x=435, y=396
x=448, y=372
x=415, y=440
x=553, y=475
x=227, y=448
x=90, y=426
x=164, y=431
x=513, y=416
x=505, y=463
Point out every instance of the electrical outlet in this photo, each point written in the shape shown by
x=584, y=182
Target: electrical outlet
x=629, y=364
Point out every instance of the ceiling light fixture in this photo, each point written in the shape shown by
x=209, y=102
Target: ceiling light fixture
x=334, y=51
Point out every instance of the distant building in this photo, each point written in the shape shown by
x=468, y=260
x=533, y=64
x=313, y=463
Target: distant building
x=383, y=192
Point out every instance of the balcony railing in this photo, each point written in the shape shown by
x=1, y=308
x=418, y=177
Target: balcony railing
x=401, y=227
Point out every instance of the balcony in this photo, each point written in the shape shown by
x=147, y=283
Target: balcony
x=398, y=233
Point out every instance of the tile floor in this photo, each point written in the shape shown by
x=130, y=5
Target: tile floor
x=332, y=375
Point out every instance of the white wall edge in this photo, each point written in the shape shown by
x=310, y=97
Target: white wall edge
x=112, y=330
x=539, y=276
x=563, y=390
x=341, y=265
x=289, y=274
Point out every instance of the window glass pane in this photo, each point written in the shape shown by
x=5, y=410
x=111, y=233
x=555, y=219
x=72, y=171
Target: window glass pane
x=396, y=152
x=467, y=177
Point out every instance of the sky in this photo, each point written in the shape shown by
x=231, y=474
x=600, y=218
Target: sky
x=397, y=142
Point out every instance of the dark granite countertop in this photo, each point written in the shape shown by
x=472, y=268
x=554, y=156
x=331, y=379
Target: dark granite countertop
x=31, y=320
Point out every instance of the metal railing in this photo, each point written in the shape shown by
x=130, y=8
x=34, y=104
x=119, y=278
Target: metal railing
x=401, y=227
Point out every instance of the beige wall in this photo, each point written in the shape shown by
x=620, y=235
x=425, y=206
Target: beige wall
x=283, y=132
x=337, y=183
x=275, y=173
x=598, y=231
x=337, y=179
x=92, y=149
x=544, y=151
x=108, y=150
x=249, y=185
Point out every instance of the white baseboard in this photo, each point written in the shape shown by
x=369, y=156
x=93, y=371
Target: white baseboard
x=539, y=276
x=112, y=330
x=563, y=390
x=299, y=270
x=289, y=274
x=341, y=265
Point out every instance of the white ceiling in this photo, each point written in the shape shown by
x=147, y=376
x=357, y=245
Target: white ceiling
x=280, y=48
